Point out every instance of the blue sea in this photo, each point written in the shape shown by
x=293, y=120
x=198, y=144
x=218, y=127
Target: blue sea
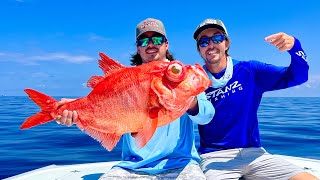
x=288, y=126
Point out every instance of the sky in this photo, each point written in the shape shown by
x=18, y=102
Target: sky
x=52, y=45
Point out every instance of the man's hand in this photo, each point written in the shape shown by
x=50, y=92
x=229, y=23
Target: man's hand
x=194, y=108
x=68, y=117
x=281, y=40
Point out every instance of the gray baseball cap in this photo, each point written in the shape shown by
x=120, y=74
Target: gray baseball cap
x=210, y=23
x=150, y=24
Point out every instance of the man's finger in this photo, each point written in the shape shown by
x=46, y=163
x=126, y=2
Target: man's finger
x=74, y=116
x=273, y=37
x=284, y=47
x=61, y=102
x=64, y=117
x=58, y=119
x=278, y=42
x=69, y=118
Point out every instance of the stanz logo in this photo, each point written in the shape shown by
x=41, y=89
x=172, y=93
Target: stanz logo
x=224, y=91
x=302, y=55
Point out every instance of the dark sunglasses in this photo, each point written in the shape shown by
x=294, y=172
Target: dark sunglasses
x=216, y=39
x=156, y=40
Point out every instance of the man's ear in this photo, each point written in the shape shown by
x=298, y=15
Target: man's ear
x=138, y=51
x=227, y=45
x=167, y=44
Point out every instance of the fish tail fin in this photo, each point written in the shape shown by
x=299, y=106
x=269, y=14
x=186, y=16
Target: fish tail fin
x=47, y=105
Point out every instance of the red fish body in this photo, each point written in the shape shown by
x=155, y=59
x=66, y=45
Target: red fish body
x=133, y=100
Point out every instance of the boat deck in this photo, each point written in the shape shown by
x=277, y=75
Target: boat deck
x=93, y=171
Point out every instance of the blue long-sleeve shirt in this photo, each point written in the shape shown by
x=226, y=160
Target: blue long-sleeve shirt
x=172, y=146
x=235, y=123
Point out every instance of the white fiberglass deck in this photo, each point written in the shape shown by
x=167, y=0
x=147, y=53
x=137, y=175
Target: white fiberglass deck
x=93, y=171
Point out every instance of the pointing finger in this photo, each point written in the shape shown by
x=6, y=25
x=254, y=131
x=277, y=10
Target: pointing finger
x=273, y=37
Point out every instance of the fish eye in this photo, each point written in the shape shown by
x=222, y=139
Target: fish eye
x=176, y=72
x=175, y=68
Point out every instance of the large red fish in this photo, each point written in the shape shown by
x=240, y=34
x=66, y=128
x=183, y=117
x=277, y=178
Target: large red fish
x=133, y=100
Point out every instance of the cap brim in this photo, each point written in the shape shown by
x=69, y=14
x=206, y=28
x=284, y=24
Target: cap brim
x=198, y=31
x=156, y=31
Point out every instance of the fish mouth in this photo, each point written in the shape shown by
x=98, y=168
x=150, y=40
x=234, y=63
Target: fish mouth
x=200, y=68
x=202, y=74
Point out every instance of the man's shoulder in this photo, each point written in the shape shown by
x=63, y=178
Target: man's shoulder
x=246, y=63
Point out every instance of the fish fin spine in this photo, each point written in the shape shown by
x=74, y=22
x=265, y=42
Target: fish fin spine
x=108, y=65
x=94, y=80
x=107, y=140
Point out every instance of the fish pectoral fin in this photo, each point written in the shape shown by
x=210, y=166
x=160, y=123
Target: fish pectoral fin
x=107, y=140
x=143, y=136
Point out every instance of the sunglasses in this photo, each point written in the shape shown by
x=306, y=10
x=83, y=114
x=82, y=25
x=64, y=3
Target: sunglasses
x=156, y=40
x=216, y=39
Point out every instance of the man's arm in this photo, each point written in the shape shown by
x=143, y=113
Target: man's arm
x=270, y=77
x=201, y=111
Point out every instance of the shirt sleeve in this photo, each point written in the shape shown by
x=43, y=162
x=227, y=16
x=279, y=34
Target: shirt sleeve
x=206, y=110
x=270, y=77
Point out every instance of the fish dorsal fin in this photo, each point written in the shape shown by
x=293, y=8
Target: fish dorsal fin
x=108, y=65
x=94, y=80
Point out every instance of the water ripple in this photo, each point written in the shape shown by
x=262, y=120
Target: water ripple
x=288, y=126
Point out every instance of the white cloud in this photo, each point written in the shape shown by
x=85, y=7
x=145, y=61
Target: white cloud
x=313, y=82
x=4, y=55
x=33, y=59
x=62, y=56
x=309, y=89
x=95, y=37
x=39, y=75
x=42, y=86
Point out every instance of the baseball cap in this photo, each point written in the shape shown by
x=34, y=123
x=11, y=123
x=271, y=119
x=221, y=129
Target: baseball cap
x=210, y=23
x=150, y=24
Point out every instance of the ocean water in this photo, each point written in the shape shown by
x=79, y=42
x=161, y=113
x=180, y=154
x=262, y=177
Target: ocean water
x=288, y=126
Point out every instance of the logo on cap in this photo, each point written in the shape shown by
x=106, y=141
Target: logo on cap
x=149, y=23
x=208, y=21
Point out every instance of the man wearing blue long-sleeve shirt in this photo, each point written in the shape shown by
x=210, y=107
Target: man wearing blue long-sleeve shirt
x=230, y=145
